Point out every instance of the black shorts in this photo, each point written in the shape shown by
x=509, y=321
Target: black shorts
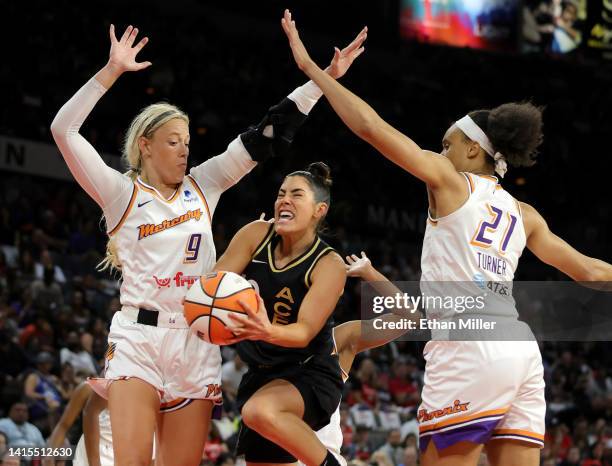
x=319, y=381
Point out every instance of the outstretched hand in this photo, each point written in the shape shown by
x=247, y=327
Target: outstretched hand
x=342, y=59
x=300, y=54
x=122, y=56
x=358, y=266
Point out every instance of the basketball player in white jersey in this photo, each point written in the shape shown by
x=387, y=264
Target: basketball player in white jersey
x=475, y=393
x=95, y=447
x=350, y=340
x=159, y=224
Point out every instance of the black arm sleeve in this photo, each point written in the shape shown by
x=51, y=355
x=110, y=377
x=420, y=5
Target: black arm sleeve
x=285, y=119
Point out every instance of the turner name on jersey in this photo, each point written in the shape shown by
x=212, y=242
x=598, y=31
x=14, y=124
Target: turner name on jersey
x=165, y=244
x=481, y=241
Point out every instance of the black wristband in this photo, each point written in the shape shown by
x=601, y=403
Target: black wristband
x=285, y=119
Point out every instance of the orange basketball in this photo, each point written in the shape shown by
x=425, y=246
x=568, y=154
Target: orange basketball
x=211, y=300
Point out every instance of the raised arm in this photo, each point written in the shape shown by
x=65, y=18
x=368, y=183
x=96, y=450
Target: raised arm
x=350, y=336
x=434, y=169
x=273, y=135
x=109, y=188
x=552, y=250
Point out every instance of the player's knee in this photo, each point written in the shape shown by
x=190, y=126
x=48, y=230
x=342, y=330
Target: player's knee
x=133, y=455
x=257, y=415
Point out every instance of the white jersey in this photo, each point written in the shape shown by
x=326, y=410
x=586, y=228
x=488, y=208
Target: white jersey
x=331, y=436
x=482, y=240
x=465, y=252
x=163, y=245
x=107, y=457
x=485, y=389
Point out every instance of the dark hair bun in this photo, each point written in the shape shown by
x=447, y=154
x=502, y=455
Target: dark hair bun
x=515, y=130
x=321, y=170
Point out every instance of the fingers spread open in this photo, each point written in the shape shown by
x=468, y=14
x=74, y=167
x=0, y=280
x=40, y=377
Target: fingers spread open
x=132, y=37
x=111, y=33
x=126, y=34
x=143, y=65
x=142, y=43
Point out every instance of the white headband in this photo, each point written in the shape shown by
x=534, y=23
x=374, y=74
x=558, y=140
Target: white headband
x=475, y=133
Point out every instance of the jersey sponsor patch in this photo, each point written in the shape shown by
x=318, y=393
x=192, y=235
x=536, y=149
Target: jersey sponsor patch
x=179, y=280
x=188, y=196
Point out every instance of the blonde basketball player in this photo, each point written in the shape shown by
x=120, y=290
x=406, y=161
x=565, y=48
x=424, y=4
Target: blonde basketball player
x=476, y=232
x=159, y=223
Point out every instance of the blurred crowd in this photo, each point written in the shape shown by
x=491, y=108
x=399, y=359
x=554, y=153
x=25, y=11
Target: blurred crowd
x=55, y=307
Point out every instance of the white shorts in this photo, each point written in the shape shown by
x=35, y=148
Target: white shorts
x=331, y=438
x=106, y=454
x=480, y=391
x=181, y=366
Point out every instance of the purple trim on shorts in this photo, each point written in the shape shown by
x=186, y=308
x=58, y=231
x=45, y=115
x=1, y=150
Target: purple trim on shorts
x=488, y=417
x=479, y=432
x=217, y=412
x=526, y=437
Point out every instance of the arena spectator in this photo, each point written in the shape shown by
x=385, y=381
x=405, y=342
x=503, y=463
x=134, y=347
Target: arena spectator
x=46, y=261
x=3, y=443
x=51, y=234
x=393, y=447
x=404, y=390
x=346, y=427
x=361, y=448
x=74, y=354
x=573, y=457
x=46, y=292
x=364, y=387
x=19, y=432
x=25, y=272
x=12, y=357
x=379, y=458
x=231, y=375
x=68, y=382
x=38, y=336
x=411, y=456
x=42, y=393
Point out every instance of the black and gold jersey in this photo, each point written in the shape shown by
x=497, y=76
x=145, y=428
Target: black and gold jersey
x=282, y=290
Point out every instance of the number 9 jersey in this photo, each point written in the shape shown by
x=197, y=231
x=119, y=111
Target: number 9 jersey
x=164, y=245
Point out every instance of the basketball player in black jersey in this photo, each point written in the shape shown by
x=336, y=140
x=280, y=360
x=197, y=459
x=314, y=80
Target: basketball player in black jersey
x=294, y=382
